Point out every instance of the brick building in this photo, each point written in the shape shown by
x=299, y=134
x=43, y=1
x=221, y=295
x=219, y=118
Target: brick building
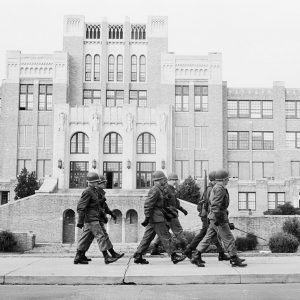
x=116, y=101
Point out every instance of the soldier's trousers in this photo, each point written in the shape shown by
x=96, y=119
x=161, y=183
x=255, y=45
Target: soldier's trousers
x=224, y=235
x=162, y=230
x=93, y=230
x=176, y=228
x=198, y=237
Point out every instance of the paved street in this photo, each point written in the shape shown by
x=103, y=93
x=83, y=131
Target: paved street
x=155, y=292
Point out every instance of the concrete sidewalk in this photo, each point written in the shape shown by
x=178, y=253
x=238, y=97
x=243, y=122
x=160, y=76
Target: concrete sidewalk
x=61, y=270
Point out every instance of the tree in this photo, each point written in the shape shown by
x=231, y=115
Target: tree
x=27, y=184
x=189, y=190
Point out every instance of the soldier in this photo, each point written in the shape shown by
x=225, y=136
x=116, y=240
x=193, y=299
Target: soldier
x=203, y=208
x=92, y=216
x=155, y=221
x=173, y=204
x=218, y=222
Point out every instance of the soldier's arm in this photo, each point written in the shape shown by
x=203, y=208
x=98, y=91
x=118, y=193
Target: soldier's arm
x=150, y=202
x=81, y=206
x=216, y=199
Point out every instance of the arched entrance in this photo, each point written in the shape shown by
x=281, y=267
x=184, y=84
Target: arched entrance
x=115, y=227
x=68, y=226
x=131, y=226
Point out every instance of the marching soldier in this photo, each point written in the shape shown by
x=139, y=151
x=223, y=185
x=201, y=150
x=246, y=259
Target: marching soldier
x=92, y=209
x=155, y=221
x=203, y=208
x=173, y=205
x=219, y=222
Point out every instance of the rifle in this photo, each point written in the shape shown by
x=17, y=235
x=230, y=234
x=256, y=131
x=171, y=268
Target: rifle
x=203, y=199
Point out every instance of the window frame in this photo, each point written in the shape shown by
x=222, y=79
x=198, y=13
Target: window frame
x=84, y=141
x=151, y=144
x=118, y=148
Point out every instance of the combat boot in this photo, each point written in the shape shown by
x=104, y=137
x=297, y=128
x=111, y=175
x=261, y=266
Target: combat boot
x=109, y=260
x=115, y=254
x=79, y=258
x=85, y=258
x=188, y=252
x=155, y=251
x=138, y=259
x=237, y=262
x=197, y=260
x=223, y=256
x=177, y=258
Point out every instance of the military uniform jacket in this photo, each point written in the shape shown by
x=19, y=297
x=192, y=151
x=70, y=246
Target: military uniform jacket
x=89, y=207
x=154, y=204
x=172, y=200
x=219, y=202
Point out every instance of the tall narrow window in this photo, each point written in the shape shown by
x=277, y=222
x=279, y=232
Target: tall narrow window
x=133, y=68
x=142, y=76
x=113, y=143
x=26, y=97
x=111, y=68
x=45, y=97
x=119, y=68
x=79, y=143
x=201, y=98
x=181, y=98
x=88, y=67
x=146, y=144
x=96, y=67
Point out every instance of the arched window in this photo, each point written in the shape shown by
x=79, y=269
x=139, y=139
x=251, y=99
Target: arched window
x=88, y=67
x=97, y=67
x=111, y=67
x=79, y=143
x=142, y=76
x=119, y=68
x=113, y=143
x=133, y=68
x=146, y=143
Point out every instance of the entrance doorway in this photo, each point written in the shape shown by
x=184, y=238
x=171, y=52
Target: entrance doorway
x=78, y=173
x=69, y=226
x=144, y=174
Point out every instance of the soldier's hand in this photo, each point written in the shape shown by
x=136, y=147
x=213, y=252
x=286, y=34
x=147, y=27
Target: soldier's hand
x=231, y=226
x=79, y=225
x=145, y=222
x=114, y=217
x=184, y=211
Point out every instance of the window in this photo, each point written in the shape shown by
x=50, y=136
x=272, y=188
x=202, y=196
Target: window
x=92, y=31
x=133, y=68
x=115, y=32
x=146, y=144
x=182, y=169
x=114, y=98
x=247, y=201
x=45, y=96
x=238, y=140
x=144, y=174
x=25, y=136
x=88, y=67
x=26, y=97
x=295, y=168
x=138, y=32
x=43, y=168
x=116, y=168
x=4, y=197
x=275, y=199
x=239, y=169
x=257, y=109
x=181, y=98
x=263, y=170
x=97, y=67
x=139, y=98
x=23, y=163
x=181, y=137
x=119, y=68
x=292, y=109
x=113, y=143
x=44, y=136
x=293, y=139
x=91, y=97
x=142, y=75
x=201, y=98
x=111, y=68
x=79, y=143
x=262, y=140
x=200, y=166
x=201, y=139
x=78, y=173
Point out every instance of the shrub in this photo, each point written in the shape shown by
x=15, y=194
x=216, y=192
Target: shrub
x=7, y=241
x=27, y=184
x=283, y=243
x=292, y=226
x=246, y=243
x=284, y=209
x=189, y=191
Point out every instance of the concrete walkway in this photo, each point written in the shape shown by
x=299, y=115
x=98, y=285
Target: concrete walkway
x=61, y=270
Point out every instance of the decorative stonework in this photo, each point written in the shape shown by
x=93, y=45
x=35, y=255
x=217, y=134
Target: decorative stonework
x=73, y=24
x=163, y=122
x=243, y=92
x=95, y=122
x=129, y=121
x=115, y=31
x=93, y=31
x=62, y=118
x=138, y=31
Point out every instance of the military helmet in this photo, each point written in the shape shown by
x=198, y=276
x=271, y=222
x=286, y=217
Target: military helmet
x=212, y=176
x=173, y=176
x=158, y=175
x=102, y=179
x=221, y=174
x=92, y=177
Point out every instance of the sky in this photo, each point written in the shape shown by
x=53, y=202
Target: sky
x=259, y=39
